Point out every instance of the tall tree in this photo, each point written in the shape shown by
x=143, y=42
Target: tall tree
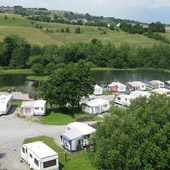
x=135, y=138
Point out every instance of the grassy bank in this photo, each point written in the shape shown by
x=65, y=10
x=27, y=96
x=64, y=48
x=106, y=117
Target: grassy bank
x=15, y=71
x=37, y=78
x=78, y=160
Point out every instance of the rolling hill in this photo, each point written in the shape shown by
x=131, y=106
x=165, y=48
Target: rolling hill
x=16, y=24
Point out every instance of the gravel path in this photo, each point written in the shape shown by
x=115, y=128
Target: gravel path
x=13, y=131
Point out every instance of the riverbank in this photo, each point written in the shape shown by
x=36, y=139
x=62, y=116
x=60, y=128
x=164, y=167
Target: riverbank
x=15, y=71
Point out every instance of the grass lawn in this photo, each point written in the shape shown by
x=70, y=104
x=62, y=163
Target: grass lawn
x=56, y=117
x=107, y=93
x=37, y=78
x=17, y=103
x=78, y=160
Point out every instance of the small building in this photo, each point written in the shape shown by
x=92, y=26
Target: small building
x=127, y=99
x=155, y=84
x=116, y=87
x=39, y=156
x=136, y=85
x=72, y=140
x=96, y=106
x=85, y=129
x=98, y=90
x=33, y=108
x=6, y=103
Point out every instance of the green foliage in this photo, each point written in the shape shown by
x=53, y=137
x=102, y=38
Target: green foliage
x=68, y=85
x=38, y=69
x=157, y=27
x=135, y=138
x=67, y=29
x=77, y=30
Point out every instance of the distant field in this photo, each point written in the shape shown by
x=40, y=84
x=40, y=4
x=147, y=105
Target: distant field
x=16, y=24
x=32, y=35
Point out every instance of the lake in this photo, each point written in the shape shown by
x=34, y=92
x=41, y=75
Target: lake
x=101, y=77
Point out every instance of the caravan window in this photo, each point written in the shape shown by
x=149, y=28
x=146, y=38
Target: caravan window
x=118, y=98
x=49, y=163
x=23, y=149
x=30, y=156
x=105, y=106
x=36, y=162
x=36, y=108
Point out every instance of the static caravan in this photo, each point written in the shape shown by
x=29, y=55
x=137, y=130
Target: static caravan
x=98, y=90
x=136, y=85
x=6, y=103
x=72, y=140
x=116, y=87
x=155, y=84
x=86, y=99
x=85, y=129
x=162, y=91
x=126, y=99
x=30, y=108
x=96, y=106
x=39, y=156
x=167, y=84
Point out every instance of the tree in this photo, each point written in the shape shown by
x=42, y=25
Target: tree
x=5, y=17
x=77, y=30
x=67, y=30
x=135, y=138
x=62, y=30
x=38, y=69
x=68, y=85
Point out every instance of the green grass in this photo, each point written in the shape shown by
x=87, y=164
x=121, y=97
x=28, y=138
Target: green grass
x=37, y=78
x=56, y=117
x=24, y=28
x=78, y=160
x=96, y=118
x=111, y=69
x=107, y=93
x=15, y=71
x=17, y=103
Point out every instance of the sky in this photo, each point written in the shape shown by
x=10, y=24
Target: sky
x=146, y=11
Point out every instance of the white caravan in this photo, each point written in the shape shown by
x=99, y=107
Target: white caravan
x=6, y=102
x=85, y=129
x=126, y=99
x=39, y=156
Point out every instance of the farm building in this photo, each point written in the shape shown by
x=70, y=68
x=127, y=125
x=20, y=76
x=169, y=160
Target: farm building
x=31, y=108
x=96, y=106
x=72, y=140
x=155, y=84
x=136, y=85
x=98, y=90
x=116, y=87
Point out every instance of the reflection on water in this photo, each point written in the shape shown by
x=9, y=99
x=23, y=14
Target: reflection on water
x=105, y=77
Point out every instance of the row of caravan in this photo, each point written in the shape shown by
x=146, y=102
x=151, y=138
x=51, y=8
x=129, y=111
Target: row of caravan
x=39, y=156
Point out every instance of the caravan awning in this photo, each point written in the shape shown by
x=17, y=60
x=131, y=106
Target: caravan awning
x=72, y=134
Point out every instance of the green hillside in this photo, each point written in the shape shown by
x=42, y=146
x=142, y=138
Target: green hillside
x=15, y=24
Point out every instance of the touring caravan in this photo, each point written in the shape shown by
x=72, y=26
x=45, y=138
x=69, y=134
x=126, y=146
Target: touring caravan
x=6, y=102
x=116, y=87
x=37, y=107
x=126, y=99
x=98, y=90
x=86, y=130
x=96, y=106
x=167, y=84
x=155, y=84
x=72, y=140
x=39, y=156
x=136, y=85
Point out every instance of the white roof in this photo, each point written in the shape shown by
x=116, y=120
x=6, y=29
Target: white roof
x=83, y=128
x=155, y=82
x=136, y=94
x=35, y=103
x=96, y=102
x=116, y=83
x=168, y=81
x=40, y=149
x=97, y=87
x=72, y=134
x=136, y=83
x=5, y=98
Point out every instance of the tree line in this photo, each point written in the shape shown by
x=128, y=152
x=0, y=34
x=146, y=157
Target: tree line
x=16, y=52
